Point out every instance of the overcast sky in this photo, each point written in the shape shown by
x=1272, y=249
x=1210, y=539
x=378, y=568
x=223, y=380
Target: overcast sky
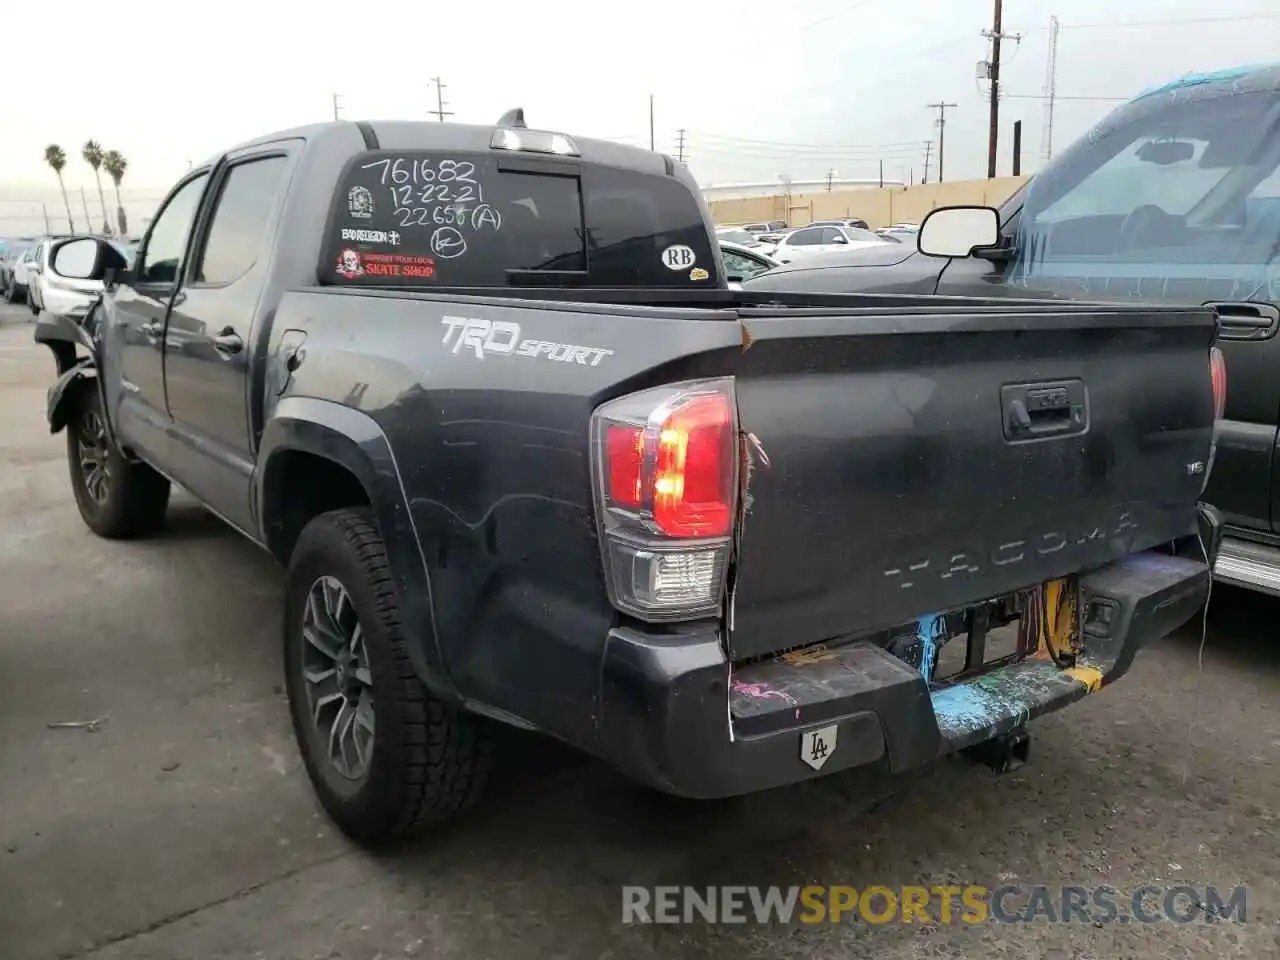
x=761, y=92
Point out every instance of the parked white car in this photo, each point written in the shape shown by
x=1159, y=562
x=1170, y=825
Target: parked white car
x=62, y=296
x=18, y=274
x=808, y=242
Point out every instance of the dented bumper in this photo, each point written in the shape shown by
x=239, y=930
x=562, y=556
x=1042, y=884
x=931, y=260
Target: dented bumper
x=673, y=714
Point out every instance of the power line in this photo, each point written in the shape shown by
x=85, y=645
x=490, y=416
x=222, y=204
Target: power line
x=440, y=111
x=827, y=19
x=1167, y=22
x=1058, y=96
x=789, y=143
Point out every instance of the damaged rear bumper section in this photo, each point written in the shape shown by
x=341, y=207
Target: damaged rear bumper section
x=674, y=716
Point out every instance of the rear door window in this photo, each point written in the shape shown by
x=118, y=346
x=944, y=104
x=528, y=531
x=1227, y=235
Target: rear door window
x=804, y=238
x=476, y=220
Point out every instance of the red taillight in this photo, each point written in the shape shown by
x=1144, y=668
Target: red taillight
x=692, y=477
x=666, y=493
x=625, y=451
x=1218, y=376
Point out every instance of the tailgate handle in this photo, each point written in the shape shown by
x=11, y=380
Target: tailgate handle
x=1245, y=320
x=1035, y=411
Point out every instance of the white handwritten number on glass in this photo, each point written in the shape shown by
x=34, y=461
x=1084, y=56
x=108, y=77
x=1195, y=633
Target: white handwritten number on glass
x=400, y=170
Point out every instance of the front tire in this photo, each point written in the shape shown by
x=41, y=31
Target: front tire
x=117, y=499
x=384, y=756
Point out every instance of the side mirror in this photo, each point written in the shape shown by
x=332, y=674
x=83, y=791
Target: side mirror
x=958, y=231
x=85, y=258
x=841, y=238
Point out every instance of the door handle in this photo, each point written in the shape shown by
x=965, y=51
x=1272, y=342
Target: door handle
x=228, y=342
x=1246, y=320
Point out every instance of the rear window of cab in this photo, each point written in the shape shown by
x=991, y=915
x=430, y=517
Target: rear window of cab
x=425, y=219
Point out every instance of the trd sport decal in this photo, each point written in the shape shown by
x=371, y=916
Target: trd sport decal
x=488, y=338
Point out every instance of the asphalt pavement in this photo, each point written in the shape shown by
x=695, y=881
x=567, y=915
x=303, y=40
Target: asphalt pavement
x=183, y=826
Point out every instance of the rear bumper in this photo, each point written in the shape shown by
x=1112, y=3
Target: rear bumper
x=674, y=716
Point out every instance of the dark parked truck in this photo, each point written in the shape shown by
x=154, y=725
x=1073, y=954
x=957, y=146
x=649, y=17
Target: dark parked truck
x=1173, y=198
x=528, y=461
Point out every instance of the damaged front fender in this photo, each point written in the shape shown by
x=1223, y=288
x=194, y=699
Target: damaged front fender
x=65, y=393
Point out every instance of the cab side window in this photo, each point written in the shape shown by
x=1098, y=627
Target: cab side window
x=239, y=225
x=804, y=238
x=166, y=245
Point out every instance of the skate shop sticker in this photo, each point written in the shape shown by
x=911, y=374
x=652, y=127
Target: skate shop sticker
x=360, y=203
x=679, y=257
x=697, y=273
x=350, y=265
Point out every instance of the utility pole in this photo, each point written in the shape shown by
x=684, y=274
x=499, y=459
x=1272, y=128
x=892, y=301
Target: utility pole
x=830, y=176
x=651, y=147
x=336, y=106
x=928, y=152
x=1017, y=148
x=1050, y=91
x=942, y=109
x=680, y=146
x=88, y=220
x=440, y=111
x=881, y=174
x=995, y=35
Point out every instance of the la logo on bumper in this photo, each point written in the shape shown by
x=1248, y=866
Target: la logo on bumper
x=817, y=746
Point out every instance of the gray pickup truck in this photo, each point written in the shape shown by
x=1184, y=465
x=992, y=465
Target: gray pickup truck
x=486, y=395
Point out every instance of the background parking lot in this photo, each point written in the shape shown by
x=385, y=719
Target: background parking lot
x=184, y=826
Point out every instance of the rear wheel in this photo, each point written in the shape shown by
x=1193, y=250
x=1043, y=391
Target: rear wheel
x=383, y=754
x=117, y=498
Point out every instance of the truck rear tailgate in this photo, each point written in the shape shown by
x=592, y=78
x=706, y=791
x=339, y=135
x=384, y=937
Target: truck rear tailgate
x=913, y=464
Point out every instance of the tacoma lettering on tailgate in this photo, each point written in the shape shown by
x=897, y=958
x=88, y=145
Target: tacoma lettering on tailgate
x=948, y=564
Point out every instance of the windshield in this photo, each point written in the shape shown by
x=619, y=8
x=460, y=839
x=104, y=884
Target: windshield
x=859, y=235
x=1183, y=194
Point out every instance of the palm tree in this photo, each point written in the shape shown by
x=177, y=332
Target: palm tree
x=115, y=164
x=56, y=158
x=92, y=153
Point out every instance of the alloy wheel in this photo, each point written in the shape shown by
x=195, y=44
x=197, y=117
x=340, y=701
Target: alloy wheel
x=335, y=666
x=93, y=450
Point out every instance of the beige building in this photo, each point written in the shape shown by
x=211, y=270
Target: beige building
x=879, y=207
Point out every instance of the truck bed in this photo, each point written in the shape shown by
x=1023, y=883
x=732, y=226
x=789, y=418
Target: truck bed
x=897, y=483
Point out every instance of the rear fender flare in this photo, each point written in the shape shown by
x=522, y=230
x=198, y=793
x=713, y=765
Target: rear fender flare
x=355, y=441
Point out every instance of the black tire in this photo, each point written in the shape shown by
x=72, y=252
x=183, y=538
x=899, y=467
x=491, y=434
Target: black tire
x=423, y=762
x=9, y=292
x=126, y=499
